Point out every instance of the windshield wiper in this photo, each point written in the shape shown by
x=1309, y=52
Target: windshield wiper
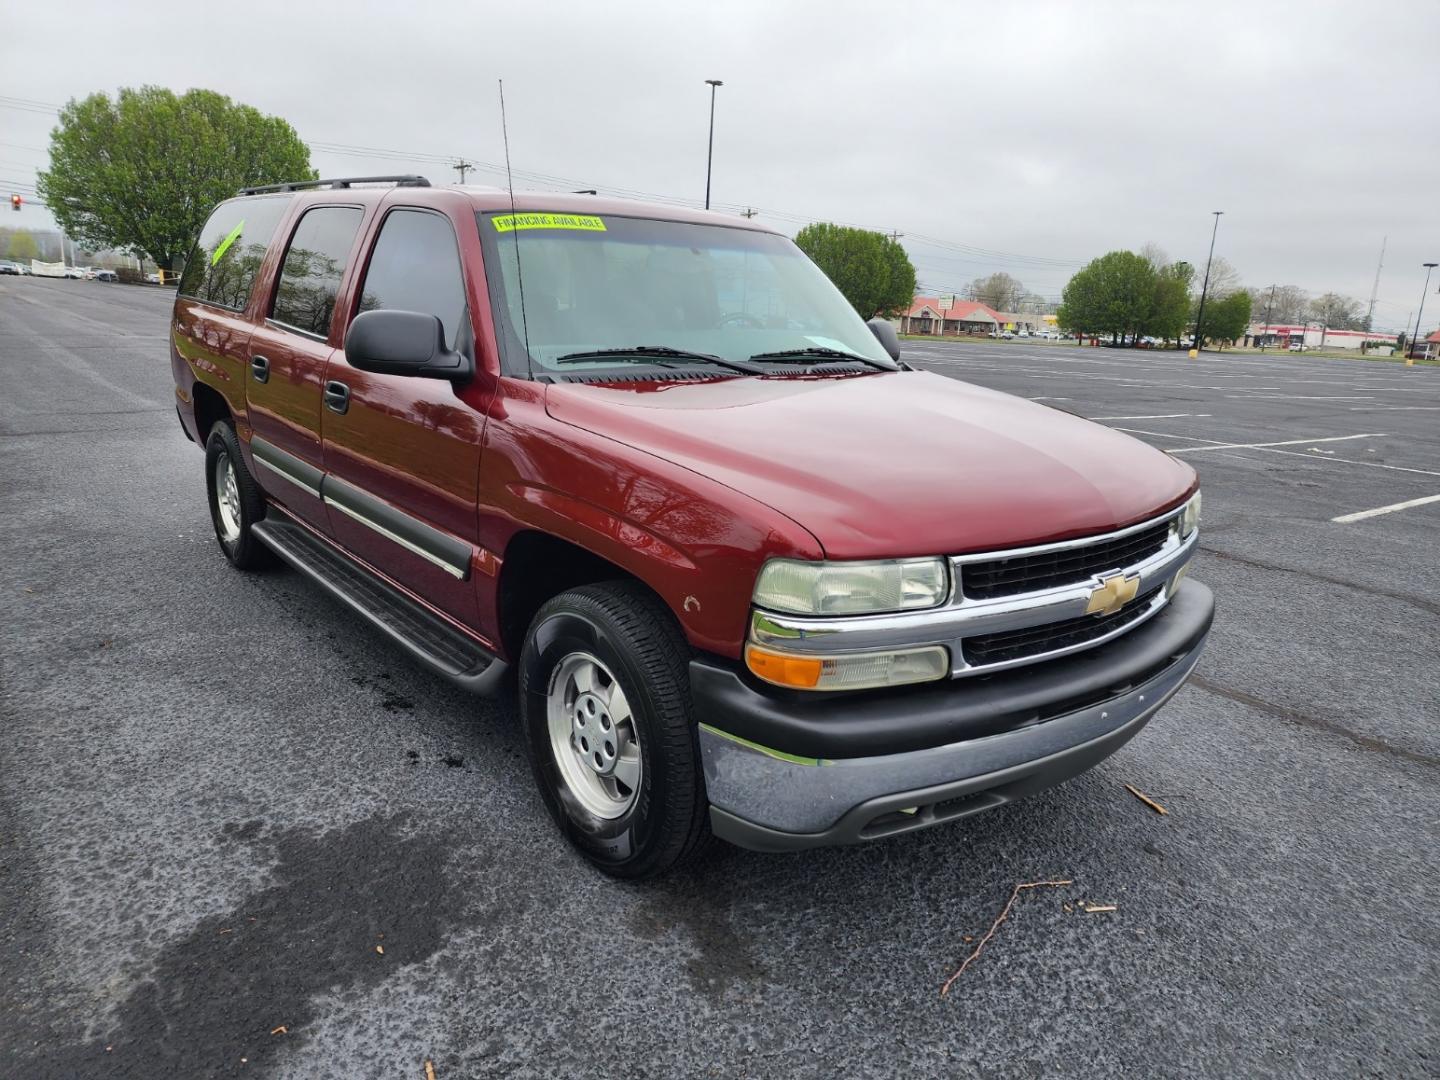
x=654, y=353
x=820, y=351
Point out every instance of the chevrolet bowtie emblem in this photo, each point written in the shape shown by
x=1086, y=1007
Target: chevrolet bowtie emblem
x=1112, y=594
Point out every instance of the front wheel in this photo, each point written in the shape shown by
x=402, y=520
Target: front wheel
x=605, y=697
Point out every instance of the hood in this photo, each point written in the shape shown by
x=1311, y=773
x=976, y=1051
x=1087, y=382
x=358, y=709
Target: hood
x=892, y=464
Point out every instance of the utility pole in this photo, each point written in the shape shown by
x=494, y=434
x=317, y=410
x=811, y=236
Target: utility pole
x=748, y=212
x=710, y=153
x=1269, y=304
x=462, y=166
x=1200, y=315
x=1421, y=313
x=1375, y=290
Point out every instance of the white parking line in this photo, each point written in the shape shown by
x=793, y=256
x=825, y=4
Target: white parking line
x=1153, y=416
x=1361, y=515
x=1304, y=397
x=1351, y=461
x=1265, y=445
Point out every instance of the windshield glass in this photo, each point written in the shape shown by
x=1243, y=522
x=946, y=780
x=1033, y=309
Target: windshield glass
x=609, y=282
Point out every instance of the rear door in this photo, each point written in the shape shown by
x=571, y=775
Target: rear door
x=288, y=355
x=402, y=454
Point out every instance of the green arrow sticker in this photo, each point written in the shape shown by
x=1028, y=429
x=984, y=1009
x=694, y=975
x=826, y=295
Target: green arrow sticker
x=225, y=244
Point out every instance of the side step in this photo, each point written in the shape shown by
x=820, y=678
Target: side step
x=419, y=632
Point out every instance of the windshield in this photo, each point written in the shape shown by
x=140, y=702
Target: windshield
x=598, y=283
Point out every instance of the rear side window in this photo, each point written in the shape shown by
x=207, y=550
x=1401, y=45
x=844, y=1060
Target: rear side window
x=225, y=260
x=416, y=267
x=314, y=264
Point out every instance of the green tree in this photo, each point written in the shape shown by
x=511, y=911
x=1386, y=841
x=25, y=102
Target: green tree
x=141, y=172
x=1227, y=318
x=871, y=270
x=1170, y=308
x=22, y=247
x=1113, y=295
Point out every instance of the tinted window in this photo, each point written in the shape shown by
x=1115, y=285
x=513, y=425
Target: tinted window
x=310, y=278
x=416, y=267
x=226, y=258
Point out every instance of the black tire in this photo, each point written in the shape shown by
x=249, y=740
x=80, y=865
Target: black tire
x=635, y=636
x=244, y=549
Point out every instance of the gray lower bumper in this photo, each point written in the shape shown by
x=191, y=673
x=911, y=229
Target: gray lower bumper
x=772, y=802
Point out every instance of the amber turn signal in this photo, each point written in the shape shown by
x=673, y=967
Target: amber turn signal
x=802, y=672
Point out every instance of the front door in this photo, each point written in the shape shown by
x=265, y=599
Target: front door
x=402, y=453
x=288, y=357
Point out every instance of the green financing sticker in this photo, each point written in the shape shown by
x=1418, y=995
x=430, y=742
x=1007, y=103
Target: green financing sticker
x=515, y=222
x=225, y=244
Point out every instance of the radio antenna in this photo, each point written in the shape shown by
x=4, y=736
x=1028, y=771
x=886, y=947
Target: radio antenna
x=515, y=233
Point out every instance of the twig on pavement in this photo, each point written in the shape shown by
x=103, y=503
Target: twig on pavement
x=1004, y=913
x=1146, y=800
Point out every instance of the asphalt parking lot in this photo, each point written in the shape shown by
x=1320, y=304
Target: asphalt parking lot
x=221, y=799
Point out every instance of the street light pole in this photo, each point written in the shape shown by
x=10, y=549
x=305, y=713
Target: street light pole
x=1421, y=313
x=1268, y=305
x=710, y=153
x=1200, y=315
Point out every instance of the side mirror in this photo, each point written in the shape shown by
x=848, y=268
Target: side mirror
x=884, y=332
x=403, y=343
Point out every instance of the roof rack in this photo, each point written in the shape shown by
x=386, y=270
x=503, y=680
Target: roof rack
x=410, y=180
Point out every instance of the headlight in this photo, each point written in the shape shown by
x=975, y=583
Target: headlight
x=1190, y=517
x=852, y=588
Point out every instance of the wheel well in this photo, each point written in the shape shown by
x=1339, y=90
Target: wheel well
x=537, y=567
x=210, y=406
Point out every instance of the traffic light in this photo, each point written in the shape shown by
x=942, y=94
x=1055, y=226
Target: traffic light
x=15, y=201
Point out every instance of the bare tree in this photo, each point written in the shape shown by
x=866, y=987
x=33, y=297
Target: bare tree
x=1224, y=279
x=999, y=291
x=1337, y=312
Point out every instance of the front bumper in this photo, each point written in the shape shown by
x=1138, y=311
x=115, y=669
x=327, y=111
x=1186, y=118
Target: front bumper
x=784, y=774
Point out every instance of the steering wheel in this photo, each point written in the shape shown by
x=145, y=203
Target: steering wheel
x=741, y=318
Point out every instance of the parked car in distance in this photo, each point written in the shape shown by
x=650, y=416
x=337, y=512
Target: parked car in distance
x=152, y=279
x=10, y=268
x=106, y=275
x=747, y=572
x=1296, y=346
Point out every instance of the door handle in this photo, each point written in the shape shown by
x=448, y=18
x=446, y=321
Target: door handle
x=260, y=368
x=337, y=396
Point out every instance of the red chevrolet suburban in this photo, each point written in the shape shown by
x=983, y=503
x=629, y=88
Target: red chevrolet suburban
x=753, y=575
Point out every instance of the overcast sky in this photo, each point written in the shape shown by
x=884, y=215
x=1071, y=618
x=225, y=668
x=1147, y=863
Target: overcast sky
x=1020, y=136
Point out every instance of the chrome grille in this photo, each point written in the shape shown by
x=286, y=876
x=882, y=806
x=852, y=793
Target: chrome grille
x=984, y=580
x=1013, y=645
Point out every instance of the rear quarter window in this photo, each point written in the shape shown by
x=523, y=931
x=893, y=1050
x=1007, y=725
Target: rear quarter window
x=226, y=258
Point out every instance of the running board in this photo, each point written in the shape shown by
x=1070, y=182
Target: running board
x=421, y=633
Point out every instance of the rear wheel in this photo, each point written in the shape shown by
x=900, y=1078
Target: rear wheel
x=605, y=696
x=235, y=500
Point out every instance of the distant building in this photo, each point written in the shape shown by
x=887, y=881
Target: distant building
x=1029, y=321
x=1277, y=336
x=1429, y=349
x=962, y=317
